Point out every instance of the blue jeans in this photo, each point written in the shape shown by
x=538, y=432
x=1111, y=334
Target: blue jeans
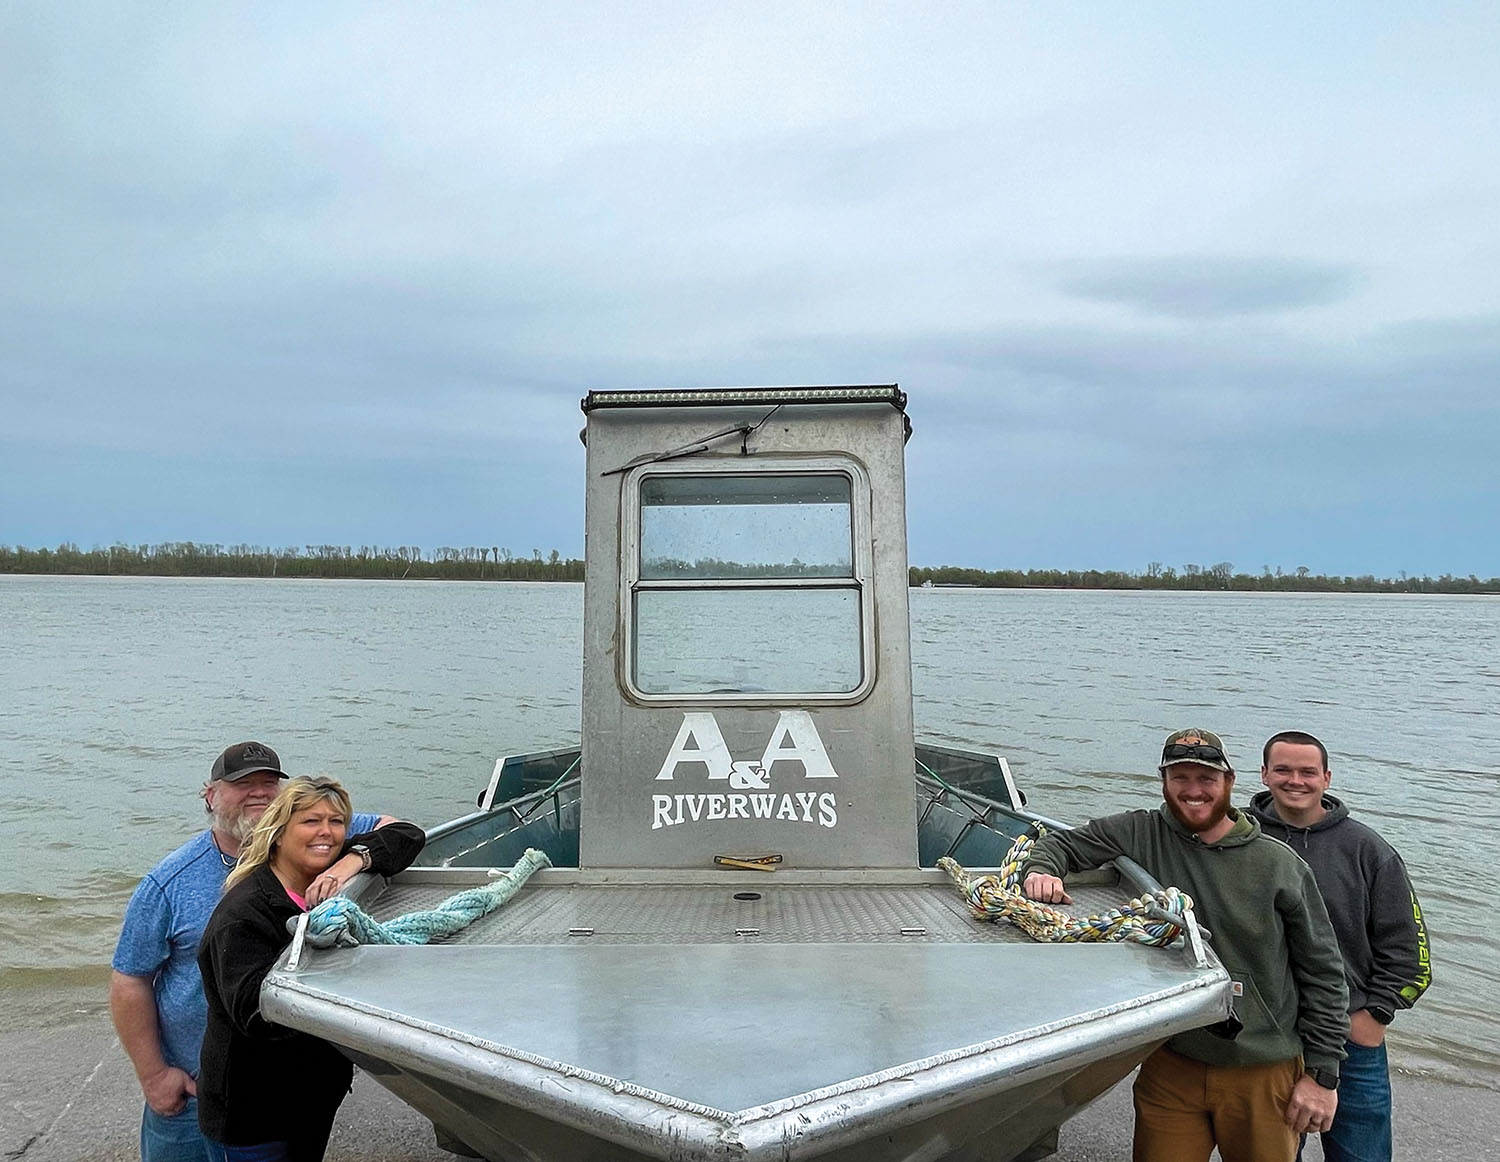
x=1362, y=1123
x=260, y=1152
x=173, y=1139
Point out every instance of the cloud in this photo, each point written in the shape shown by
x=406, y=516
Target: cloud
x=390, y=253
x=1210, y=287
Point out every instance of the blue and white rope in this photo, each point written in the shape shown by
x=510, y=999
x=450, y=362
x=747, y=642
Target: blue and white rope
x=340, y=921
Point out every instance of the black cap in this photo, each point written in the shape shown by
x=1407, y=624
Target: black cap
x=246, y=758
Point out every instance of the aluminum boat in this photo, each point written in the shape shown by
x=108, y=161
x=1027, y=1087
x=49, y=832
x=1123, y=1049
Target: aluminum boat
x=743, y=949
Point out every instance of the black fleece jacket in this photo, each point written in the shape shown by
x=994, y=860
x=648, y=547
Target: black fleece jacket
x=1370, y=900
x=261, y=1082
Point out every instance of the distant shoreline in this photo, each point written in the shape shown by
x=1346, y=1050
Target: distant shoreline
x=189, y=559
x=1215, y=579
x=495, y=563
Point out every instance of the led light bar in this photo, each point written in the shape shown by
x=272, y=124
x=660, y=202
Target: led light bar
x=749, y=396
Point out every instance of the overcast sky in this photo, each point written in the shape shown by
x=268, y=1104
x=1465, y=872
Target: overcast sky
x=1163, y=282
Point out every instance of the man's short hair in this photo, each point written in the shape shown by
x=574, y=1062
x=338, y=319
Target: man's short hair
x=1296, y=738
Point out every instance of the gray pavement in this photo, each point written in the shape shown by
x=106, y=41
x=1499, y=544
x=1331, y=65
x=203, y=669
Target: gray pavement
x=68, y=1095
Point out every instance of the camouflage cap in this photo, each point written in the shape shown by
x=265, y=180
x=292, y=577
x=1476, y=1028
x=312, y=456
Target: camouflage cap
x=1195, y=746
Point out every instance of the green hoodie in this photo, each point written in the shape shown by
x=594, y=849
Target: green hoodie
x=1269, y=925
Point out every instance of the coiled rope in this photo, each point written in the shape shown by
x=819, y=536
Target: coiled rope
x=1155, y=918
x=340, y=921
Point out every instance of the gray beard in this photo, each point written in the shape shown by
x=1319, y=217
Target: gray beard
x=236, y=826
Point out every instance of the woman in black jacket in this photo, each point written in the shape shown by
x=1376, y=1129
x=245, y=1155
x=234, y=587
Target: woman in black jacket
x=267, y=1093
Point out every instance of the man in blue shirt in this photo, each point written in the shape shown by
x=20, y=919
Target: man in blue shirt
x=155, y=992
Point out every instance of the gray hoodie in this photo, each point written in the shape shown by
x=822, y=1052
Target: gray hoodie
x=1370, y=900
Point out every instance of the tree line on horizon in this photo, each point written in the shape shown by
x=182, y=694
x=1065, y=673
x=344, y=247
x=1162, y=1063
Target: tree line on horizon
x=1220, y=576
x=496, y=563
x=191, y=559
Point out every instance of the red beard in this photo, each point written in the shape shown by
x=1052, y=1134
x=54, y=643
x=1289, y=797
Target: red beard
x=1216, y=812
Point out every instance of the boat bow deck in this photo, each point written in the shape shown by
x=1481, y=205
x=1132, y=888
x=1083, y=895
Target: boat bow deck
x=928, y=910
x=806, y=1011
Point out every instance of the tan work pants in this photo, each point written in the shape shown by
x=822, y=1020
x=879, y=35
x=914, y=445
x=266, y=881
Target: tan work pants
x=1184, y=1108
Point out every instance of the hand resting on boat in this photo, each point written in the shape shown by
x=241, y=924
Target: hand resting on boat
x=1047, y=889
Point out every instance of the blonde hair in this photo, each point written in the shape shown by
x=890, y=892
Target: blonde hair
x=295, y=795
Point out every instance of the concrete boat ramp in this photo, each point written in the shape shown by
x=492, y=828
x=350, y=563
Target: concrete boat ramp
x=68, y=1095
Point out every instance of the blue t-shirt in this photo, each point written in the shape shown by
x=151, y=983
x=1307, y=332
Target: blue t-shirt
x=159, y=939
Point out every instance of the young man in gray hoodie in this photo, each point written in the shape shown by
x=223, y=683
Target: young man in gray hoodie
x=1376, y=917
x=1251, y=1096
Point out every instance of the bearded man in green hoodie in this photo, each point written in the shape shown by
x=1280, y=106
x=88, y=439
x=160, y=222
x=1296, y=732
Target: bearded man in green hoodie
x=1252, y=1096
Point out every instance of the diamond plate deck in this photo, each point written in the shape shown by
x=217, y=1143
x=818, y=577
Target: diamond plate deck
x=682, y=914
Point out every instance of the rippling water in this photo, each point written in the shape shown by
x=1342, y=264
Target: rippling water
x=116, y=694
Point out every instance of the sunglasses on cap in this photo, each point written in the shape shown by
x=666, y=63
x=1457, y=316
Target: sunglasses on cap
x=1200, y=751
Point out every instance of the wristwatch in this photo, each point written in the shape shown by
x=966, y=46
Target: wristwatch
x=363, y=852
x=1382, y=1014
x=1327, y=1078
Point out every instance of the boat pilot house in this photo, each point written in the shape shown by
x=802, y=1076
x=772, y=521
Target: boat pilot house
x=748, y=681
x=717, y=930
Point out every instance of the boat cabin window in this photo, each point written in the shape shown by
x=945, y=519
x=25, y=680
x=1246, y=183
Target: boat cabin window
x=747, y=584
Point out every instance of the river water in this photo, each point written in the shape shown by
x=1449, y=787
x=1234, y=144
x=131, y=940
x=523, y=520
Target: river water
x=117, y=693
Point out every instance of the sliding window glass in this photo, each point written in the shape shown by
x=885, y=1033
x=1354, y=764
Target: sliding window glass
x=748, y=583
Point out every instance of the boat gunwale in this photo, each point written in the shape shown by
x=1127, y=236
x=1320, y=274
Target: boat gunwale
x=819, y=1119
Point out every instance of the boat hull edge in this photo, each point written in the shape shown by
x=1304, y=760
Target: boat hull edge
x=1001, y=1103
